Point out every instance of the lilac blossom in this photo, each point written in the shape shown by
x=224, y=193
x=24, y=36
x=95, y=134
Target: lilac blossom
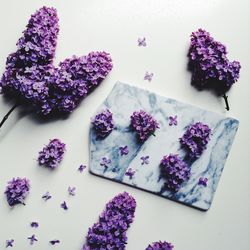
x=34, y=224
x=142, y=42
x=175, y=171
x=209, y=64
x=195, y=139
x=103, y=123
x=64, y=206
x=173, y=120
x=9, y=243
x=81, y=168
x=124, y=150
x=105, y=162
x=145, y=160
x=17, y=190
x=148, y=76
x=110, y=231
x=203, y=181
x=52, y=154
x=72, y=191
x=160, y=245
x=143, y=124
x=130, y=173
x=32, y=239
x=53, y=242
x=46, y=196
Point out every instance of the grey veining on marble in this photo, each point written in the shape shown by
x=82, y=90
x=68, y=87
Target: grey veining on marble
x=122, y=101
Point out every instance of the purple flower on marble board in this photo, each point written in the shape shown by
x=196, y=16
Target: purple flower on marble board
x=148, y=76
x=105, y=162
x=9, y=243
x=46, y=196
x=72, y=191
x=145, y=160
x=160, y=245
x=53, y=242
x=64, y=206
x=52, y=154
x=81, y=168
x=142, y=42
x=17, y=190
x=203, y=181
x=34, y=224
x=130, y=173
x=173, y=120
x=32, y=239
x=124, y=150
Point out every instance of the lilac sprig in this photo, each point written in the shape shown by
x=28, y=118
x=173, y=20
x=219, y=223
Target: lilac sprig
x=143, y=124
x=17, y=190
x=209, y=64
x=195, y=139
x=160, y=245
x=110, y=231
x=52, y=154
x=175, y=171
x=103, y=123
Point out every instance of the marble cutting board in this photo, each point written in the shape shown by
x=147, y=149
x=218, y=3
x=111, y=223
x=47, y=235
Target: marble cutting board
x=122, y=101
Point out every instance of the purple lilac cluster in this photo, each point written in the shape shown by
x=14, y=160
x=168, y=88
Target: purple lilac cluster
x=143, y=124
x=103, y=123
x=209, y=63
x=110, y=231
x=52, y=154
x=30, y=76
x=160, y=245
x=17, y=190
x=195, y=139
x=175, y=170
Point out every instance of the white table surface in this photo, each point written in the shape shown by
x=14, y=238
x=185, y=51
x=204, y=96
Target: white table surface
x=114, y=26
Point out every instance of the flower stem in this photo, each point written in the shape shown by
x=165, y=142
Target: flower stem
x=225, y=97
x=8, y=114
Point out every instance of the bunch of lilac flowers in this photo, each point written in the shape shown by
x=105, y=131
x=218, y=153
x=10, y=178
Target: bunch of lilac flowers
x=103, y=123
x=175, y=170
x=160, y=245
x=195, y=139
x=17, y=190
x=52, y=154
x=209, y=64
x=110, y=231
x=143, y=124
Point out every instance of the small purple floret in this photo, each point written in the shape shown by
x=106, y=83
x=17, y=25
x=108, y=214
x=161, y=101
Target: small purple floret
x=124, y=150
x=32, y=239
x=130, y=173
x=105, y=162
x=52, y=154
x=148, y=76
x=160, y=245
x=72, y=191
x=53, y=242
x=175, y=171
x=46, y=196
x=17, y=190
x=203, y=181
x=81, y=168
x=64, y=206
x=143, y=124
x=173, y=120
x=145, y=160
x=34, y=224
x=9, y=243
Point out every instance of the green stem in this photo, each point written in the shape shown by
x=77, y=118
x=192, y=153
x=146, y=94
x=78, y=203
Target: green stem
x=8, y=114
x=225, y=97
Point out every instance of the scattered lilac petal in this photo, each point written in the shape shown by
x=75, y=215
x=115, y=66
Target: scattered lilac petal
x=32, y=239
x=53, y=242
x=9, y=243
x=160, y=246
x=203, y=181
x=34, y=224
x=145, y=160
x=64, y=206
x=130, y=173
x=142, y=42
x=81, y=168
x=105, y=162
x=72, y=191
x=46, y=196
x=173, y=120
x=148, y=76
x=124, y=150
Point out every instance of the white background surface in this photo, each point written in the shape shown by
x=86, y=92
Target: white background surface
x=114, y=26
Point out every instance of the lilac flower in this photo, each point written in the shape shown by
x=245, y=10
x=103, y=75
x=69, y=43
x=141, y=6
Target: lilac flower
x=53, y=242
x=124, y=150
x=110, y=231
x=175, y=171
x=103, y=123
x=81, y=168
x=173, y=120
x=9, y=243
x=64, y=206
x=160, y=246
x=143, y=124
x=105, y=162
x=142, y=42
x=72, y=191
x=17, y=190
x=46, y=196
x=32, y=239
x=203, y=181
x=145, y=160
x=52, y=154
x=209, y=64
x=34, y=224
x=130, y=173
x=148, y=76
x=195, y=139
